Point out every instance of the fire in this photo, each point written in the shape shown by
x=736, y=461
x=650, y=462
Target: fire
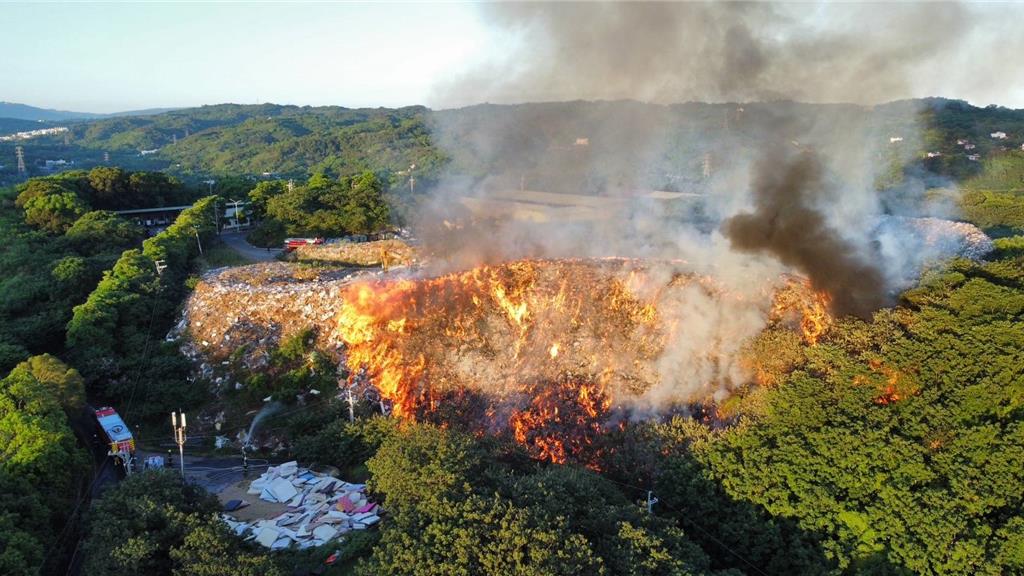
x=562, y=420
x=798, y=297
x=489, y=326
x=539, y=347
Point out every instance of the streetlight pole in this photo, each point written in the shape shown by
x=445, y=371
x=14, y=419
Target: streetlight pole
x=179, y=439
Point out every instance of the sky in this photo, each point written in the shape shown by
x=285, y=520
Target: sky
x=108, y=57
x=102, y=57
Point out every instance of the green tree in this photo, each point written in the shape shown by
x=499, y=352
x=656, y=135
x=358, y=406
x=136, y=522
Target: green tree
x=98, y=231
x=54, y=213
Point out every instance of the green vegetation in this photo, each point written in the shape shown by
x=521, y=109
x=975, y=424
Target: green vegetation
x=153, y=524
x=47, y=271
x=116, y=336
x=295, y=367
x=321, y=207
x=41, y=468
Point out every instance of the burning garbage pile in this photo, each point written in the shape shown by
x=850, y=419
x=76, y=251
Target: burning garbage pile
x=319, y=509
x=551, y=351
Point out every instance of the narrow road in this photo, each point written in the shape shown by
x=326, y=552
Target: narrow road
x=214, y=473
x=236, y=241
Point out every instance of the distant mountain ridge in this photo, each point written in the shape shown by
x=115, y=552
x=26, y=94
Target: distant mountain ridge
x=18, y=111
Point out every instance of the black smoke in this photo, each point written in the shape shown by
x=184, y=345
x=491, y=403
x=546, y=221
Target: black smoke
x=787, y=224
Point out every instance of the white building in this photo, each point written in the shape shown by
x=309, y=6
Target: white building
x=895, y=139
x=974, y=157
x=998, y=135
x=33, y=133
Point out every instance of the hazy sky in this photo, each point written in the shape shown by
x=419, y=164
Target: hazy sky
x=104, y=57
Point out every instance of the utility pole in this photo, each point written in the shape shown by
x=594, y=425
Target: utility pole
x=350, y=397
x=20, y=153
x=651, y=501
x=198, y=241
x=179, y=439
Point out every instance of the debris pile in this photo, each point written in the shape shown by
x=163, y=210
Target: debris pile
x=932, y=238
x=255, y=307
x=392, y=252
x=319, y=509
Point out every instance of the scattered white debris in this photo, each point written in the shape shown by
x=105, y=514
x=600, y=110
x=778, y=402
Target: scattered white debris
x=320, y=508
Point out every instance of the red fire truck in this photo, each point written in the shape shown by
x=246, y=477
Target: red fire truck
x=291, y=244
x=116, y=436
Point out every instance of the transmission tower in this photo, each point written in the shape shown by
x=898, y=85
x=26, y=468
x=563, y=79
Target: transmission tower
x=106, y=157
x=708, y=168
x=20, y=153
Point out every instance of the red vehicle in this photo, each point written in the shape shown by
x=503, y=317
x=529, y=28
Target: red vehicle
x=115, y=435
x=291, y=244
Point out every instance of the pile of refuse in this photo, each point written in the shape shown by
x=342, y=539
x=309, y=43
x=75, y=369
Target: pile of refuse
x=394, y=252
x=320, y=508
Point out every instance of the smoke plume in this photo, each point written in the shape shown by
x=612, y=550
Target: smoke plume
x=732, y=51
x=786, y=224
x=633, y=103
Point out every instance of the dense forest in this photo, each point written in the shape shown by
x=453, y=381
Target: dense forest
x=895, y=445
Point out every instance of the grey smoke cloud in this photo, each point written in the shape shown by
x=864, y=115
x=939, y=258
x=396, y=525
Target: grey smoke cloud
x=792, y=185
x=814, y=52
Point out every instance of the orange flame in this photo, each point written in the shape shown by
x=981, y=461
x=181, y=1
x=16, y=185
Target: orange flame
x=798, y=297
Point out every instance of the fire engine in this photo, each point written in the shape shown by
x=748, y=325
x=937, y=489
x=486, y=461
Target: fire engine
x=293, y=243
x=116, y=436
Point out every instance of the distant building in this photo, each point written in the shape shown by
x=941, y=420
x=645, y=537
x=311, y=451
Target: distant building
x=895, y=139
x=148, y=152
x=582, y=142
x=934, y=154
x=961, y=142
x=33, y=133
x=969, y=146
x=57, y=164
x=998, y=135
x=974, y=157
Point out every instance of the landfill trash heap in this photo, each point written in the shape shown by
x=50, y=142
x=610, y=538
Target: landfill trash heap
x=320, y=508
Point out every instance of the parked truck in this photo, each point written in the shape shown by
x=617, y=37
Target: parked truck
x=291, y=244
x=116, y=436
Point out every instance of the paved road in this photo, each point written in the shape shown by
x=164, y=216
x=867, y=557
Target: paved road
x=236, y=241
x=213, y=473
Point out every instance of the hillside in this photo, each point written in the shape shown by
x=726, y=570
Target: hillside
x=581, y=146
x=26, y=112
